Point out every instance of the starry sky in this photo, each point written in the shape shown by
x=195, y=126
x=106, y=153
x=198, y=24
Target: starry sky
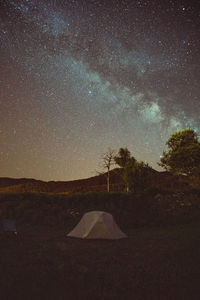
x=80, y=76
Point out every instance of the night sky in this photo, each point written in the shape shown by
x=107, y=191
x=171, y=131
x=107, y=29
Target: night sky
x=78, y=77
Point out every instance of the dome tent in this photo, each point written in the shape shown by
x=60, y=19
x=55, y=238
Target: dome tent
x=97, y=225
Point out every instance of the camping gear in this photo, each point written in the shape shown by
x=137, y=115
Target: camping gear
x=9, y=226
x=97, y=225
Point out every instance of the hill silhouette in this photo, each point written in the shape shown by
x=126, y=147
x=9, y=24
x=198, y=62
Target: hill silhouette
x=162, y=180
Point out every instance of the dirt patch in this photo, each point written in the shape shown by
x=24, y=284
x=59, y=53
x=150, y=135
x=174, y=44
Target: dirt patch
x=152, y=263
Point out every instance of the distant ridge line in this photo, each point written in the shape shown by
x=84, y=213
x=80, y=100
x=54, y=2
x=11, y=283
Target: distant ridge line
x=94, y=183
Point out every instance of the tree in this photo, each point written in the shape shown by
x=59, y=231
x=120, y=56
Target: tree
x=183, y=156
x=108, y=161
x=125, y=161
x=123, y=157
x=137, y=175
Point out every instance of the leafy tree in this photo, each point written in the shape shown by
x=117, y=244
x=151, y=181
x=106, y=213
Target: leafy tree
x=137, y=175
x=108, y=161
x=125, y=161
x=123, y=157
x=183, y=156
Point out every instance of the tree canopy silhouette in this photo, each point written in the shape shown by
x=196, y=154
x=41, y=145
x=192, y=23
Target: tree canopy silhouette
x=183, y=155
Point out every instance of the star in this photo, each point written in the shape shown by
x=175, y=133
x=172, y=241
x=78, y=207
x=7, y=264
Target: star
x=77, y=78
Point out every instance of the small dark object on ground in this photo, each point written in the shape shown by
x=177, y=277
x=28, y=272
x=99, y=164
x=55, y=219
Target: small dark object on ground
x=9, y=228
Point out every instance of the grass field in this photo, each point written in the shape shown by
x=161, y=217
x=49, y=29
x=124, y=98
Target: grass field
x=152, y=263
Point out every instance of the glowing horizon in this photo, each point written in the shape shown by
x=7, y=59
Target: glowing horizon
x=82, y=76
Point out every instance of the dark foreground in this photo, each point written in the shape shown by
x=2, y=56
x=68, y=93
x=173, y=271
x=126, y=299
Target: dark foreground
x=153, y=263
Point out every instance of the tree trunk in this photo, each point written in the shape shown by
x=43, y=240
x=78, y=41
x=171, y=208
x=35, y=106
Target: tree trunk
x=108, y=181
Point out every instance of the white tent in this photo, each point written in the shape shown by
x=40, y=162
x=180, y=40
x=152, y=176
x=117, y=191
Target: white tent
x=97, y=225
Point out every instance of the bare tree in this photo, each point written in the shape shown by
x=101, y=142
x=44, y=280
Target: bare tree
x=108, y=161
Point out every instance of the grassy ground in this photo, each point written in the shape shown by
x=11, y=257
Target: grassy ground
x=152, y=263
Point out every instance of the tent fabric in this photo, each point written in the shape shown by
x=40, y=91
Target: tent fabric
x=9, y=225
x=97, y=225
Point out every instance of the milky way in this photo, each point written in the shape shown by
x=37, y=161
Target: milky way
x=78, y=77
